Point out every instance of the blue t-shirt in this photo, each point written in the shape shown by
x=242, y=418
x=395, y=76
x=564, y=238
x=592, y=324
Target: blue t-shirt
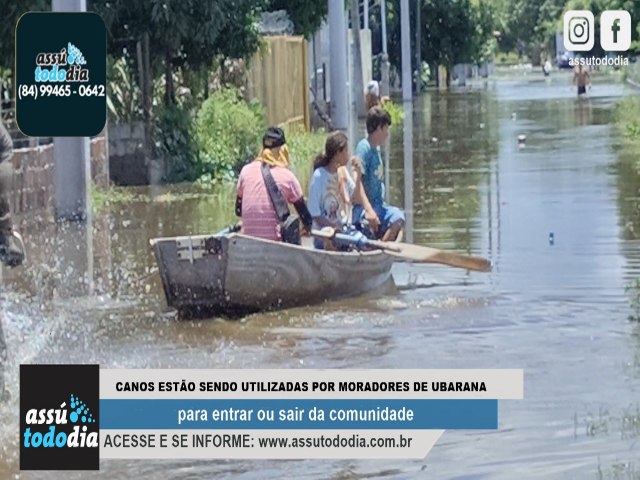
x=372, y=172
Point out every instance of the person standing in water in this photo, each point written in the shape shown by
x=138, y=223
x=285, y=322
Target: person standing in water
x=582, y=79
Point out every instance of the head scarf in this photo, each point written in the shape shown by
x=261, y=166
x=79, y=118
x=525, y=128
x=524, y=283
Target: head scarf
x=269, y=157
x=274, y=149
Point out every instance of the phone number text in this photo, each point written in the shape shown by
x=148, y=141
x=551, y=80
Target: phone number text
x=36, y=91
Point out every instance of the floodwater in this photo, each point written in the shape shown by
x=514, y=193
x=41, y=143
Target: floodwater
x=557, y=218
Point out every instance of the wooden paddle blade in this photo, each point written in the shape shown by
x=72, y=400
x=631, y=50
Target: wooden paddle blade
x=417, y=253
x=420, y=254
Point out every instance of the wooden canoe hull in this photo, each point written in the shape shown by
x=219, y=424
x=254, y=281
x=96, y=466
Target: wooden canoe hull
x=238, y=273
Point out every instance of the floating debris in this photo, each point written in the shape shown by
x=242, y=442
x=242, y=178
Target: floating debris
x=521, y=140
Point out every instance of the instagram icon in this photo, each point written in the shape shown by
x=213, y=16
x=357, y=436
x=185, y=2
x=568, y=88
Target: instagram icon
x=578, y=30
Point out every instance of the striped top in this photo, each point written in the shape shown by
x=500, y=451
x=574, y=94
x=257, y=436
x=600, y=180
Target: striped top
x=259, y=218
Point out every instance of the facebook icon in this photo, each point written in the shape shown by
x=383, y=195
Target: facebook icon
x=615, y=30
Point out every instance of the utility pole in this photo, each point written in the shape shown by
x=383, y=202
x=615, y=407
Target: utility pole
x=72, y=180
x=418, y=48
x=365, y=14
x=72, y=172
x=384, y=68
x=405, y=39
x=407, y=146
x=357, y=87
x=338, y=65
x=384, y=91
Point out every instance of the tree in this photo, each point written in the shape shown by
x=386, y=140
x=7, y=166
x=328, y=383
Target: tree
x=597, y=7
x=10, y=12
x=530, y=25
x=188, y=33
x=454, y=31
x=307, y=15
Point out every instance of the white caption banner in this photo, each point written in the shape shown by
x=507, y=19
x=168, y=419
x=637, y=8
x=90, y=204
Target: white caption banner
x=501, y=384
x=246, y=444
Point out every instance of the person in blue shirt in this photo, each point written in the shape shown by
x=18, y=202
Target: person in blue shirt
x=390, y=219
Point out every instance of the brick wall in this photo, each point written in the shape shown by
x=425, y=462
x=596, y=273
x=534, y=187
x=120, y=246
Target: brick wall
x=33, y=174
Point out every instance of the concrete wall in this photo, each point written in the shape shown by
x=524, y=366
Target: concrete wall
x=365, y=47
x=126, y=154
x=323, y=52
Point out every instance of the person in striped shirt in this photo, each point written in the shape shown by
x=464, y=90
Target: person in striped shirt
x=253, y=204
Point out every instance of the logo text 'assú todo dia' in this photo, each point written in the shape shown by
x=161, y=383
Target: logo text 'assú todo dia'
x=76, y=413
x=59, y=417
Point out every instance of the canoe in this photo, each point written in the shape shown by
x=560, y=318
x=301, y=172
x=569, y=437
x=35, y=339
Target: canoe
x=237, y=273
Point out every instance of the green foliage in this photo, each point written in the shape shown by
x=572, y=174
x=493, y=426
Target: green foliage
x=102, y=198
x=627, y=119
x=6, y=89
x=123, y=93
x=307, y=16
x=185, y=33
x=10, y=13
x=396, y=111
x=484, y=43
x=174, y=136
x=453, y=31
x=456, y=31
x=229, y=132
x=303, y=148
x=509, y=58
x=529, y=26
x=189, y=32
x=632, y=73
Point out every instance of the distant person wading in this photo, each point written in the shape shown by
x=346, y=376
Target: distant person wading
x=582, y=79
x=372, y=96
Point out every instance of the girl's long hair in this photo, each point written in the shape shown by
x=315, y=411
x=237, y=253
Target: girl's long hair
x=336, y=142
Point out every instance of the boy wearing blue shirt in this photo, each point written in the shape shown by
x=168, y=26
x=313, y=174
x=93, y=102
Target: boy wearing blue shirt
x=391, y=219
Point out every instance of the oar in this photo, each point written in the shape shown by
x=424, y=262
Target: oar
x=412, y=253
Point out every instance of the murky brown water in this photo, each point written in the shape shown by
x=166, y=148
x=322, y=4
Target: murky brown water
x=559, y=311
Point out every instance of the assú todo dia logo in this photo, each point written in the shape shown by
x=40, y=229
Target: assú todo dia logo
x=63, y=66
x=42, y=424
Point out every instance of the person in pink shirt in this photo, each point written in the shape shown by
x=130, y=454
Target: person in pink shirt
x=253, y=204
